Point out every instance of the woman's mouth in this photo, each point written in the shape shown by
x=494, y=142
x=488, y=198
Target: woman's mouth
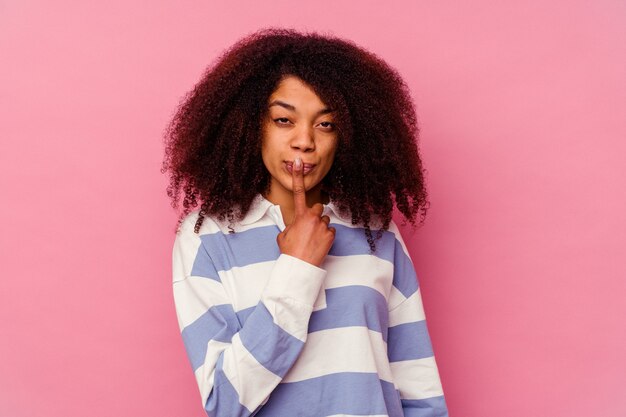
x=306, y=168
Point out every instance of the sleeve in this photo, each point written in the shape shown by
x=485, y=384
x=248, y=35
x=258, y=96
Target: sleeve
x=409, y=348
x=237, y=367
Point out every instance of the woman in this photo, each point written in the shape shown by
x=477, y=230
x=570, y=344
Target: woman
x=294, y=292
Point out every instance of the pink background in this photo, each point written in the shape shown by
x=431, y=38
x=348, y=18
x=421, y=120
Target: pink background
x=522, y=258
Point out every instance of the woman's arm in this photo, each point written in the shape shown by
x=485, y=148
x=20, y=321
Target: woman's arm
x=409, y=347
x=237, y=367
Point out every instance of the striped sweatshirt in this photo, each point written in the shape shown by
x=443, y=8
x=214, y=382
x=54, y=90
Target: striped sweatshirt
x=268, y=334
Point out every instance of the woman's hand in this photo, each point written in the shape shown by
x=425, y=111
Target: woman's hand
x=308, y=237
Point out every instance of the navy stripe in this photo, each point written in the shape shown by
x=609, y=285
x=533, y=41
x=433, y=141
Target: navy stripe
x=409, y=341
x=218, y=323
x=352, y=241
x=352, y=305
x=356, y=393
x=223, y=400
x=259, y=245
x=427, y=407
x=242, y=315
x=404, y=277
x=242, y=248
x=203, y=265
x=270, y=345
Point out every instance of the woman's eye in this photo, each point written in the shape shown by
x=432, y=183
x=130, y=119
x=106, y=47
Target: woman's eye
x=328, y=125
x=282, y=120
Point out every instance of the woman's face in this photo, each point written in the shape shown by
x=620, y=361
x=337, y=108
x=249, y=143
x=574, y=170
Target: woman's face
x=298, y=124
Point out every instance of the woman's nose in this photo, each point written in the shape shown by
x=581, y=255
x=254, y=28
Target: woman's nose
x=303, y=139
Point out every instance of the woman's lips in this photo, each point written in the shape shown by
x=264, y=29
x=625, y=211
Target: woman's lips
x=306, y=168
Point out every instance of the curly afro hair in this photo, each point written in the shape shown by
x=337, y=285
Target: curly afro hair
x=213, y=146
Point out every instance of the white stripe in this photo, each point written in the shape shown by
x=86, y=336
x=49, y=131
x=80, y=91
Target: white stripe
x=291, y=316
x=246, y=283
x=292, y=291
x=358, y=270
x=257, y=382
x=417, y=379
x=184, y=252
x=194, y=296
x=393, y=228
x=341, y=271
x=412, y=310
x=395, y=298
x=345, y=349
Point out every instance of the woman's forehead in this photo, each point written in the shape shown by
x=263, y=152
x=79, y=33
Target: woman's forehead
x=294, y=94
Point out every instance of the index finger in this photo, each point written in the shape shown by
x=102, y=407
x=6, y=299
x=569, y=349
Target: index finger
x=299, y=195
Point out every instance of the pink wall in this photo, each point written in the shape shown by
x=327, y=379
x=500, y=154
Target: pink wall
x=521, y=260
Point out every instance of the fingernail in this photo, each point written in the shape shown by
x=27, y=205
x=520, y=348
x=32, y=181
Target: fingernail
x=297, y=163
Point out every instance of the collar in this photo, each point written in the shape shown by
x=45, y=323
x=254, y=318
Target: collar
x=257, y=210
x=260, y=205
x=345, y=217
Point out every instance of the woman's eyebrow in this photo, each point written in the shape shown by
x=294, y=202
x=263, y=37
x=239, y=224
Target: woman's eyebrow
x=288, y=106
